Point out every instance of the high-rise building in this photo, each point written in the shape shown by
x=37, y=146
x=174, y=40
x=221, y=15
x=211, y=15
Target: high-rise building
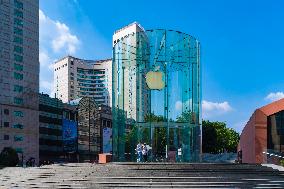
x=19, y=76
x=128, y=35
x=76, y=78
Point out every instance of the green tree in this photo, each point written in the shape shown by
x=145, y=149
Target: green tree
x=9, y=157
x=217, y=138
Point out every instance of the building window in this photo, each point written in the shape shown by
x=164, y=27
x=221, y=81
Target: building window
x=18, y=67
x=18, y=4
x=6, y=137
x=18, y=49
x=18, y=126
x=18, y=101
x=19, y=150
x=18, y=58
x=18, y=76
x=18, y=138
x=6, y=124
x=18, y=88
x=18, y=31
x=18, y=13
x=18, y=40
x=6, y=111
x=18, y=22
x=18, y=114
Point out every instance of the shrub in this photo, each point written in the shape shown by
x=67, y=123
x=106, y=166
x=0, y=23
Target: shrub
x=282, y=162
x=9, y=157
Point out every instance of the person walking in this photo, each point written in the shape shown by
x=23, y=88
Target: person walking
x=145, y=152
x=139, y=152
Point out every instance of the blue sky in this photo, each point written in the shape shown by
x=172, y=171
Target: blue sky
x=242, y=44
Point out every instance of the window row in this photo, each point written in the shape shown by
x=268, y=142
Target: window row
x=18, y=76
x=18, y=101
x=16, y=138
x=16, y=113
x=18, y=4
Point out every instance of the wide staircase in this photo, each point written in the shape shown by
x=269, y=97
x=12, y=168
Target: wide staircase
x=193, y=176
x=143, y=175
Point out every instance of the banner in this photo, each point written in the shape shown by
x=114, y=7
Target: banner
x=107, y=140
x=69, y=135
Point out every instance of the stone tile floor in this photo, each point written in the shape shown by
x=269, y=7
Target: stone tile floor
x=147, y=175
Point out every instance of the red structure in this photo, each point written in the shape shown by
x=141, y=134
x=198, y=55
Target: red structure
x=263, y=132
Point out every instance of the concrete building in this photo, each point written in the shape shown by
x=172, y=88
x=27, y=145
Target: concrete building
x=262, y=139
x=19, y=76
x=50, y=128
x=52, y=117
x=76, y=78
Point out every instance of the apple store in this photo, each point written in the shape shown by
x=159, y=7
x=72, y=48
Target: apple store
x=156, y=96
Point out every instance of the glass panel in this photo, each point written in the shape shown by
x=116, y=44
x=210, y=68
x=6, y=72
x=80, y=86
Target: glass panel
x=18, y=13
x=18, y=40
x=156, y=96
x=18, y=58
x=18, y=67
x=18, y=138
x=18, y=76
x=18, y=22
x=18, y=101
x=18, y=114
x=18, y=88
x=18, y=49
x=18, y=31
x=18, y=126
x=18, y=4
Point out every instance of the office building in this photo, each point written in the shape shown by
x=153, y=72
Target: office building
x=262, y=139
x=126, y=38
x=55, y=118
x=19, y=76
x=76, y=78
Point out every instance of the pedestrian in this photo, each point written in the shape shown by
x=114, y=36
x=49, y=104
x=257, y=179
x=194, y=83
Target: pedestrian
x=139, y=152
x=145, y=152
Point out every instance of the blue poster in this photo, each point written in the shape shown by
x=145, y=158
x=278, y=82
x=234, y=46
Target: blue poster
x=107, y=140
x=69, y=135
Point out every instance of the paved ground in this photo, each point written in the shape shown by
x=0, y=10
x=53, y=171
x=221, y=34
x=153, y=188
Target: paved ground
x=134, y=175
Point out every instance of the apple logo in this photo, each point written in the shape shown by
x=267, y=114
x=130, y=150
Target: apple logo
x=155, y=80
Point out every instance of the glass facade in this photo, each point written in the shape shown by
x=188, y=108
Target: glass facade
x=156, y=96
x=275, y=133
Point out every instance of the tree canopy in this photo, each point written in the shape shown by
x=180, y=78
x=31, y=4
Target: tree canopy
x=9, y=157
x=217, y=137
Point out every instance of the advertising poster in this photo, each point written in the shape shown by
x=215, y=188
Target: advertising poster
x=107, y=140
x=69, y=135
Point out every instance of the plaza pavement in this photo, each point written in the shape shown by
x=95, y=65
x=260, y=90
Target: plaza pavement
x=143, y=175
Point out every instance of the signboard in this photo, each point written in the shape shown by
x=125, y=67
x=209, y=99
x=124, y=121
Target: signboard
x=107, y=140
x=69, y=135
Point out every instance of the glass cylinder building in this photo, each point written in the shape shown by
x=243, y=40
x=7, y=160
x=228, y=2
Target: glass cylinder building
x=156, y=96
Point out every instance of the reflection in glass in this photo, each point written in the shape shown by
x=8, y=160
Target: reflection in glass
x=156, y=96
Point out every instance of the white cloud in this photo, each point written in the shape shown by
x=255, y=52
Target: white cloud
x=57, y=35
x=44, y=59
x=64, y=39
x=46, y=85
x=274, y=96
x=55, y=41
x=210, y=109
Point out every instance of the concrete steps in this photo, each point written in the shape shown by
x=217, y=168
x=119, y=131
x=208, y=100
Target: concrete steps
x=144, y=175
